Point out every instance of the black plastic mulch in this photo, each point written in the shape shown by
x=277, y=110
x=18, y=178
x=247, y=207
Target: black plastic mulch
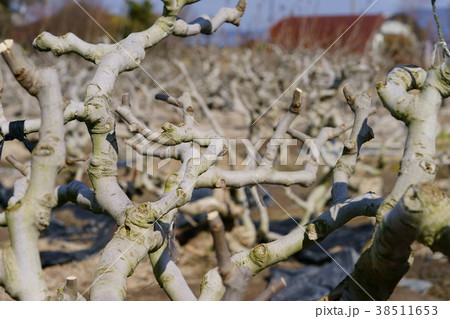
x=98, y=229
x=5, y=195
x=313, y=282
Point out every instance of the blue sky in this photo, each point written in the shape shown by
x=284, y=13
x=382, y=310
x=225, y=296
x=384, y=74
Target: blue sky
x=262, y=13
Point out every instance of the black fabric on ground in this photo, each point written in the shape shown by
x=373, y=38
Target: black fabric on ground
x=314, y=282
x=5, y=195
x=99, y=229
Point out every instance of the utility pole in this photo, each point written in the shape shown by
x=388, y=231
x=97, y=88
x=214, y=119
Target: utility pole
x=353, y=4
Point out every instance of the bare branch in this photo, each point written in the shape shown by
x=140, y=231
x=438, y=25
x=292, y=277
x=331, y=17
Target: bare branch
x=235, y=279
x=282, y=127
x=70, y=43
x=24, y=169
x=361, y=133
x=274, y=287
x=207, y=25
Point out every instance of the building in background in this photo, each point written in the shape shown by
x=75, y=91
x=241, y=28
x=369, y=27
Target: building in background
x=320, y=32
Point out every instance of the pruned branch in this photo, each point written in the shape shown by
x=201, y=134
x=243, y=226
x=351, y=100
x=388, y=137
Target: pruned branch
x=362, y=107
x=69, y=291
x=236, y=279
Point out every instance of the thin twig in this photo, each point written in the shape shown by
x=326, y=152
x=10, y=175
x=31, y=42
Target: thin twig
x=439, y=29
x=274, y=287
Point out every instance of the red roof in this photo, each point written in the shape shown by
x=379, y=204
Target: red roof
x=322, y=31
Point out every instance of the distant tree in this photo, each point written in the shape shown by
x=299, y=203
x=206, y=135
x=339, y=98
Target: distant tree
x=140, y=12
x=139, y=16
x=65, y=16
x=5, y=3
x=5, y=16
